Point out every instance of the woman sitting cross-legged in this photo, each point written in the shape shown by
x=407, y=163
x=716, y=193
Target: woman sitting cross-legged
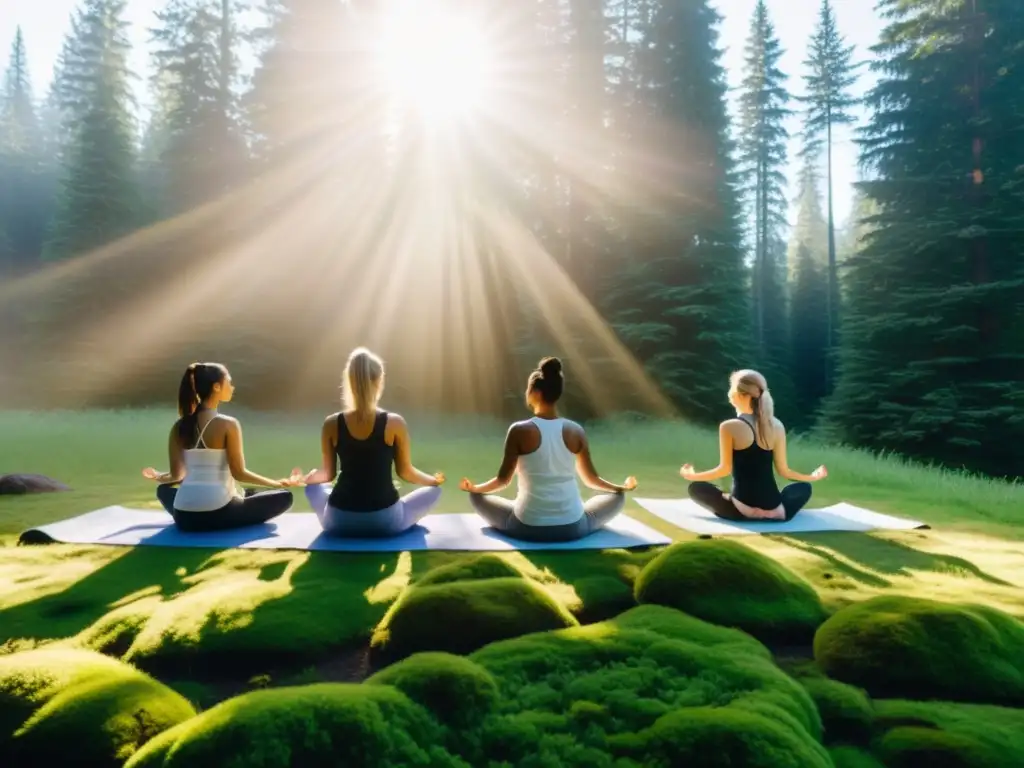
x=752, y=447
x=547, y=452
x=206, y=458
x=367, y=442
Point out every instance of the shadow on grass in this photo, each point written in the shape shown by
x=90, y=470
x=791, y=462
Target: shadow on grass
x=66, y=613
x=209, y=614
x=846, y=551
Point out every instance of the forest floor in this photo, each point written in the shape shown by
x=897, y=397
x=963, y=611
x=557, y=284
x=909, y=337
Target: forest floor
x=213, y=624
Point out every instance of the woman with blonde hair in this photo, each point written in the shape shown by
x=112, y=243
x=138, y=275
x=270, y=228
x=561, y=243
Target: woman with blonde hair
x=752, y=447
x=367, y=442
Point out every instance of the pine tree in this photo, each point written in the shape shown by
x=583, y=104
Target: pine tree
x=829, y=104
x=98, y=201
x=22, y=192
x=309, y=88
x=196, y=131
x=762, y=158
x=681, y=302
x=933, y=349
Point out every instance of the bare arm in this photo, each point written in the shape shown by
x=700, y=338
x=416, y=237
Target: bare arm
x=329, y=457
x=505, y=472
x=403, y=456
x=176, y=456
x=724, y=467
x=782, y=463
x=588, y=473
x=236, y=459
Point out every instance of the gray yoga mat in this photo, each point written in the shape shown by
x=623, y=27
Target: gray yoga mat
x=687, y=514
x=301, y=530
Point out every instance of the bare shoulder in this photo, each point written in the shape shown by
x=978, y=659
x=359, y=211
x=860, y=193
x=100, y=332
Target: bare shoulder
x=780, y=428
x=732, y=426
x=395, y=427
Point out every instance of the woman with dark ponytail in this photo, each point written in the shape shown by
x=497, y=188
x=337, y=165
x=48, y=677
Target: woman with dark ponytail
x=752, y=447
x=206, y=457
x=547, y=452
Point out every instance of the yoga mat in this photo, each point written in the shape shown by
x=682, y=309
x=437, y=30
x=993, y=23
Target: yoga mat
x=687, y=514
x=301, y=530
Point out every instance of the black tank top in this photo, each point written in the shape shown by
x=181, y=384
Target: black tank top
x=753, y=474
x=365, y=483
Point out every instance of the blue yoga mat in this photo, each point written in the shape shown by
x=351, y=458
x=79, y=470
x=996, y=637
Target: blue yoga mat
x=301, y=530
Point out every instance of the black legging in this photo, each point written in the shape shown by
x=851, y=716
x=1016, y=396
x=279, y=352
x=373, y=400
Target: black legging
x=711, y=497
x=257, y=507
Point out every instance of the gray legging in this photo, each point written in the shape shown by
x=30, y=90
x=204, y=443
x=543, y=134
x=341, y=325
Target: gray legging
x=499, y=513
x=257, y=507
x=381, y=523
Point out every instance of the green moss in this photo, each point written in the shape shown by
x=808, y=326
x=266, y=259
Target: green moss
x=922, y=649
x=462, y=616
x=475, y=568
x=853, y=757
x=846, y=712
x=619, y=693
x=455, y=689
x=315, y=725
x=727, y=583
x=174, y=611
x=946, y=735
x=55, y=703
x=706, y=737
x=677, y=625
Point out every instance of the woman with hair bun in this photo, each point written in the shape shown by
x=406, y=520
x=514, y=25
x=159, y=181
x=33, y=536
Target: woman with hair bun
x=206, y=458
x=367, y=443
x=547, y=452
x=752, y=447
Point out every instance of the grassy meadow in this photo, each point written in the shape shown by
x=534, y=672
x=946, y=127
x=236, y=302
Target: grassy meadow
x=214, y=625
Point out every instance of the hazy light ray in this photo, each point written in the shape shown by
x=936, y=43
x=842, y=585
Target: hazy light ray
x=551, y=287
x=202, y=299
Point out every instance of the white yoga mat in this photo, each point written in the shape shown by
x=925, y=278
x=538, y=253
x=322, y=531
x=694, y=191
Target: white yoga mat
x=301, y=530
x=687, y=514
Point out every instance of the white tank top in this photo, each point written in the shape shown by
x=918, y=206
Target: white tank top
x=208, y=484
x=548, y=492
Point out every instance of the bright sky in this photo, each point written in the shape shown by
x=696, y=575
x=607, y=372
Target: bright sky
x=44, y=23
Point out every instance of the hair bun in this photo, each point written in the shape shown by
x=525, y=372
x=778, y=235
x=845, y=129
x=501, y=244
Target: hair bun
x=550, y=367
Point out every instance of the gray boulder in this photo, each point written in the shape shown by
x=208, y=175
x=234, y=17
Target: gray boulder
x=16, y=484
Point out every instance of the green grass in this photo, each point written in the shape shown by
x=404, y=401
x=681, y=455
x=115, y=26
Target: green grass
x=214, y=624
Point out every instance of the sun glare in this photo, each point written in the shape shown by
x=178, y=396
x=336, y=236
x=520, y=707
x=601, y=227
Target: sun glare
x=434, y=61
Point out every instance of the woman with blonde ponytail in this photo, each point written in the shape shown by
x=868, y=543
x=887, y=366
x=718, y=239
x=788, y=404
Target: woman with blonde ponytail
x=367, y=442
x=752, y=447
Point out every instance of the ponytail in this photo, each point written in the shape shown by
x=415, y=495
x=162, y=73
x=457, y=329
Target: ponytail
x=188, y=405
x=764, y=416
x=361, y=383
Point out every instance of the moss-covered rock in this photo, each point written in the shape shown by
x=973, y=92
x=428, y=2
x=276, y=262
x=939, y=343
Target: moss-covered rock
x=853, y=757
x=895, y=646
x=477, y=568
x=846, y=712
x=315, y=725
x=677, y=625
x=58, y=705
x=453, y=688
x=709, y=737
x=727, y=583
x=945, y=735
x=633, y=692
x=461, y=616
